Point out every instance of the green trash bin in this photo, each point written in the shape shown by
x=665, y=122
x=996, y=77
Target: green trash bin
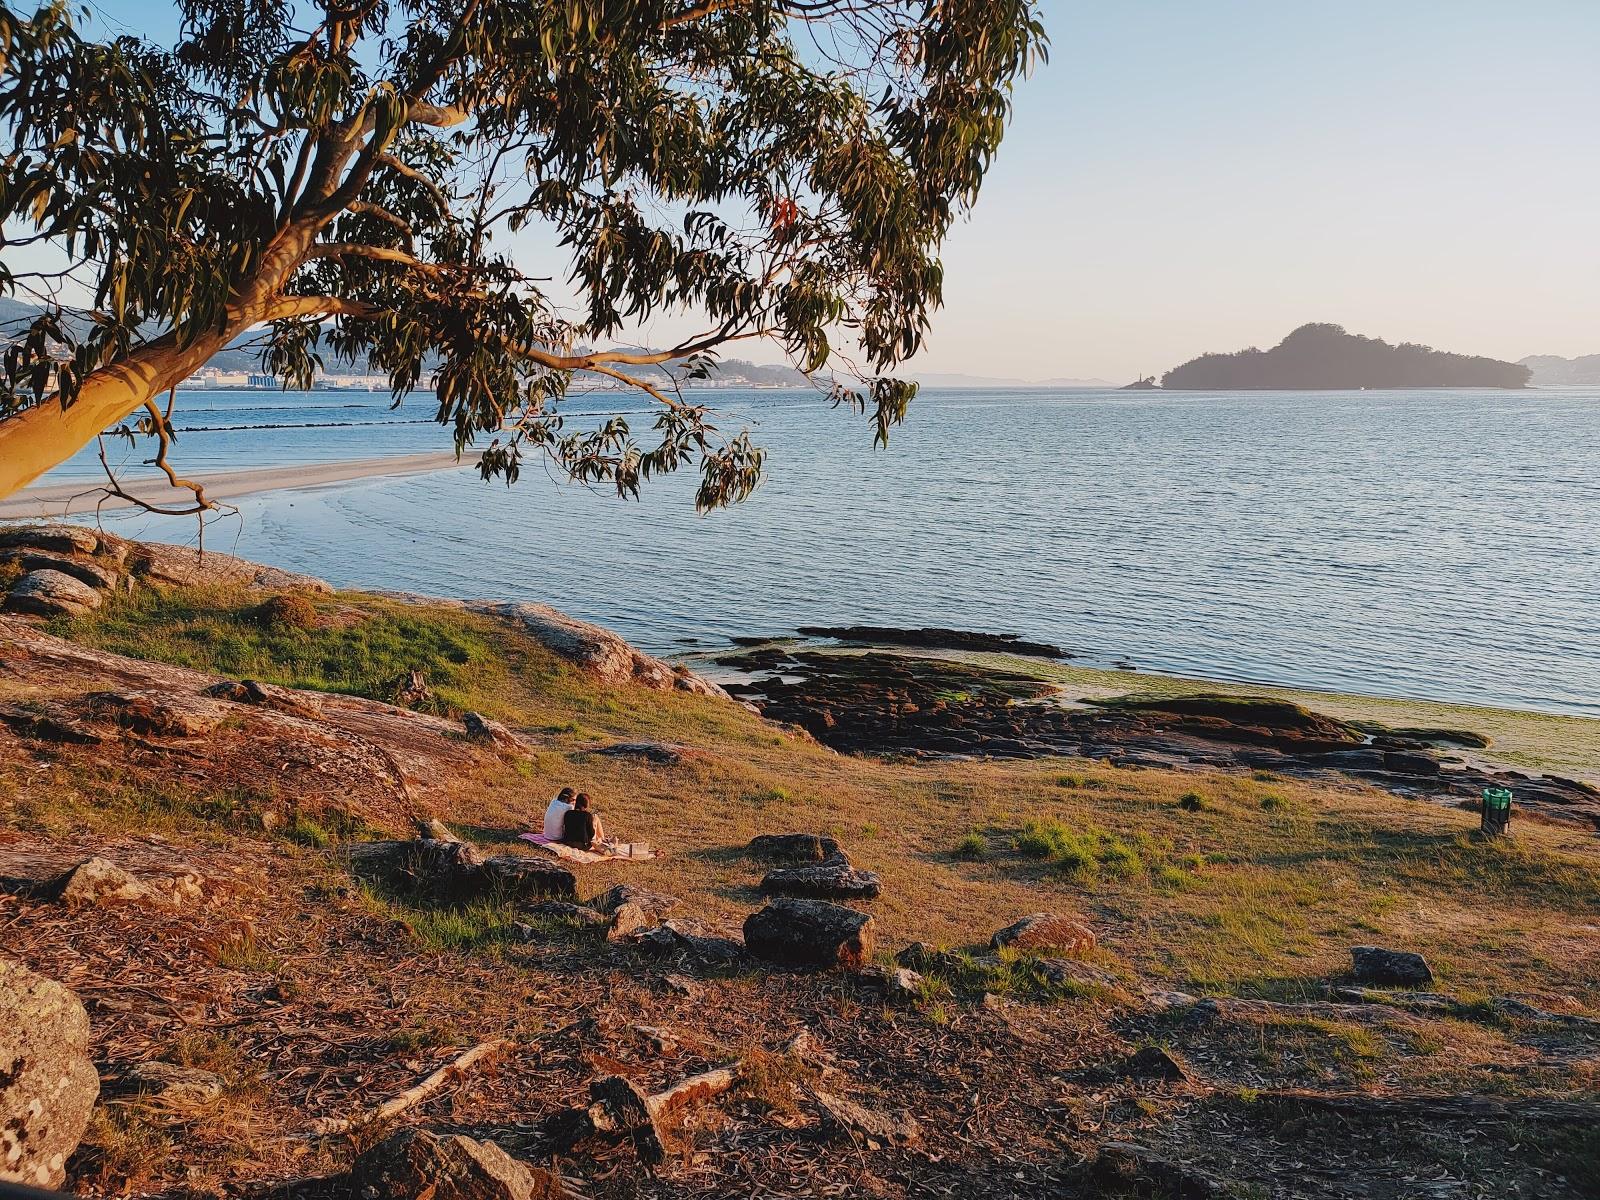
x=1496, y=811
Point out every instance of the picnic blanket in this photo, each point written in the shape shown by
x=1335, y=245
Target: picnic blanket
x=603, y=852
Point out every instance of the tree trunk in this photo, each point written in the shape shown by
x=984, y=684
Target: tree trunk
x=46, y=435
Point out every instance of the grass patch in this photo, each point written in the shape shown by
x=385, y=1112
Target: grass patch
x=222, y=630
x=1014, y=974
x=1089, y=852
x=974, y=847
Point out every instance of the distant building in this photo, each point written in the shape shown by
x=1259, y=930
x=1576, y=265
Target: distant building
x=262, y=381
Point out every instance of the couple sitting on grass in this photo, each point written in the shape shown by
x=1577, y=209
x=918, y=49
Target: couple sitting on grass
x=569, y=821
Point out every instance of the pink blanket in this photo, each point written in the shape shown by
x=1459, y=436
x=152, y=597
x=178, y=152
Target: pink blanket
x=603, y=852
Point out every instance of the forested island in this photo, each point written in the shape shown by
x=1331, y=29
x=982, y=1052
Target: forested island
x=1326, y=356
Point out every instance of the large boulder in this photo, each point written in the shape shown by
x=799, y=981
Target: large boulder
x=1046, y=931
x=52, y=594
x=1389, y=968
x=810, y=933
x=415, y=1163
x=452, y=872
x=62, y=539
x=84, y=570
x=47, y=1084
x=798, y=848
x=834, y=879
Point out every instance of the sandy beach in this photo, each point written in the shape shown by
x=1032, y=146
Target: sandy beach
x=63, y=499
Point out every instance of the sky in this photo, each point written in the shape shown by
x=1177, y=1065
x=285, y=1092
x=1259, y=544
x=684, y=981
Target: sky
x=1193, y=175
x=1189, y=176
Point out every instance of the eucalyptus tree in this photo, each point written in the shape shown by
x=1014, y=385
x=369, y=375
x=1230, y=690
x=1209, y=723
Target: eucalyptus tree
x=345, y=181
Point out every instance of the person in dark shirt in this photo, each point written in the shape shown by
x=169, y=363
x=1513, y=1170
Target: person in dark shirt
x=580, y=828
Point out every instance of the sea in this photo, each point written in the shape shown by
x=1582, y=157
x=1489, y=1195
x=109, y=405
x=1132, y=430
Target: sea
x=1426, y=544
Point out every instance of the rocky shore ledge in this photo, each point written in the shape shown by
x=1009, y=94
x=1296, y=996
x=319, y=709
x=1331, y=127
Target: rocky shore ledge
x=883, y=703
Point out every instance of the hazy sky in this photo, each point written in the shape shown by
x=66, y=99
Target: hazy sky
x=1187, y=175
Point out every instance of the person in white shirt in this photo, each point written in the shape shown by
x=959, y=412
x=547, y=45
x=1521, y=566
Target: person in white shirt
x=556, y=813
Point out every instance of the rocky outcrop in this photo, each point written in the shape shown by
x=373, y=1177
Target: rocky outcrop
x=69, y=568
x=1049, y=932
x=364, y=758
x=934, y=637
x=1389, y=968
x=160, y=565
x=52, y=594
x=48, y=1086
x=158, y=713
x=811, y=933
x=597, y=650
x=418, y=1165
x=925, y=707
x=54, y=537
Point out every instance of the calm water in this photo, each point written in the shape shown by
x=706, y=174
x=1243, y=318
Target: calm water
x=1435, y=544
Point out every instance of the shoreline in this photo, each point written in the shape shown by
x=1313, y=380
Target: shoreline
x=79, y=499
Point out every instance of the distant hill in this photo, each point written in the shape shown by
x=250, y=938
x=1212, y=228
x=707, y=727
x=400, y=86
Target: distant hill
x=1325, y=356
x=1551, y=371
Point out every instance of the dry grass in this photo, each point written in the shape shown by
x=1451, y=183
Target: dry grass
x=336, y=995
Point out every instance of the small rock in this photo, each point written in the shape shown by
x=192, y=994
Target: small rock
x=656, y=752
x=175, y=1086
x=52, y=594
x=793, y=847
x=920, y=956
x=662, y=1041
x=879, y=1127
x=99, y=882
x=1390, y=968
x=810, y=933
x=481, y=729
x=833, y=879
x=632, y=909
x=682, y=985
x=1062, y=972
x=896, y=985
x=1122, y=1169
x=418, y=1165
x=96, y=881
x=1046, y=931
x=48, y=1086
x=580, y=915
x=1153, y=1062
